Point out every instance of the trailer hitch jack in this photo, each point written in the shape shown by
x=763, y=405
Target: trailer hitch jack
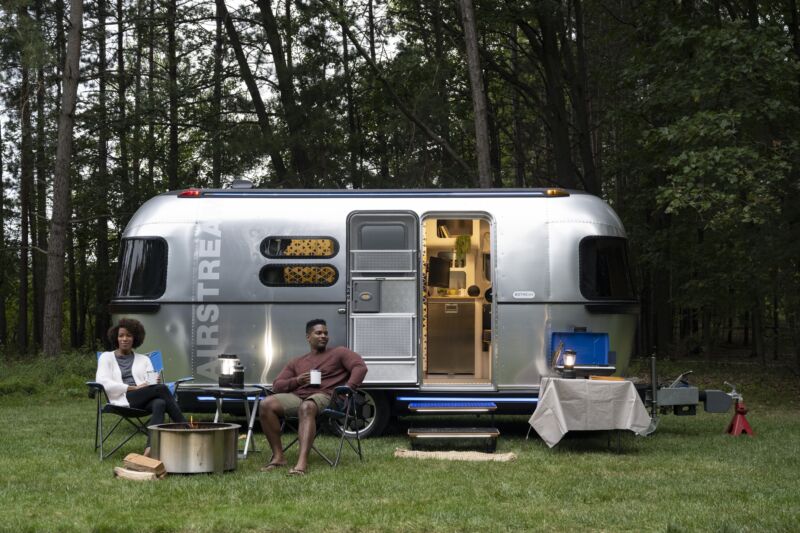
x=739, y=422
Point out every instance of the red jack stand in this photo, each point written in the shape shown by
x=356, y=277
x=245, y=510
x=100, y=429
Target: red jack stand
x=739, y=423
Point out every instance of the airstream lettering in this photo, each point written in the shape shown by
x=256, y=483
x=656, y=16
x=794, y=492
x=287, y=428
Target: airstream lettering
x=207, y=327
x=447, y=294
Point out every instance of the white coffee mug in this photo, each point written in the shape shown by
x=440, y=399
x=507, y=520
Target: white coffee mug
x=316, y=377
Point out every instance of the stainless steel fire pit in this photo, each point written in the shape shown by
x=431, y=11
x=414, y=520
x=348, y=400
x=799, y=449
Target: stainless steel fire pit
x=195, y=448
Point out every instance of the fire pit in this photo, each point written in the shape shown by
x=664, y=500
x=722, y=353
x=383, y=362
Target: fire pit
x=196, y=447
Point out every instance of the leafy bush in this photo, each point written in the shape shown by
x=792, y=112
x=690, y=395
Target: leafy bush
x=63, y=376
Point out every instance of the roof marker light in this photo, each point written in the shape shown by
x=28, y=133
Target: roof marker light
x=191, y=193
x=556, y=192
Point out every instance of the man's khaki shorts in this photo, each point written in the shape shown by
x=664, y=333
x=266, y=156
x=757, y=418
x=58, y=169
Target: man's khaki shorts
x=291, y=402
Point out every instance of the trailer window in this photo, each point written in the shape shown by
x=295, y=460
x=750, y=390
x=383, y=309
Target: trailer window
x=298, y=275
x=316, y=247
x=604, y=272
x=142, y=268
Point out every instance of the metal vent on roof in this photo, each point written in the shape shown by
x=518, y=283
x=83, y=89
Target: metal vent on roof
x=241, y=184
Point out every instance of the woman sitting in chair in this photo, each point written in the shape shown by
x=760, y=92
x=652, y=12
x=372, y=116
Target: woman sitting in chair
x=123, y=373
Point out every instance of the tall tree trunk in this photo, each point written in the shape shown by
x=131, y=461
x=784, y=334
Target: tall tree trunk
x=103, y=273
x=172, y=79
x=352, y=145
x=478, y=96
x=151, y=100
x=54, y=292
x=293, y=113
x=83, y=288
x=122, y=122
x=61, y=42
x=26, y=182
x=441, y=82
x=383, y=157
x=136, y=149
x=4, y=266
x=776, y=332
x=289, y=33
x=73, y=288
x=494, y=137
x=38, y=222
x=216, y=106
x=255, y=94
x=516, y=111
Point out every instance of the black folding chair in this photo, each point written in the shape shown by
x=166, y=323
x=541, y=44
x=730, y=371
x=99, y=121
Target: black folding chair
x=136, y=419
x=345, y=417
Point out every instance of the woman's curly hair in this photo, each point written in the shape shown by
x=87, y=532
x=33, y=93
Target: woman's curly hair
x=133, y=326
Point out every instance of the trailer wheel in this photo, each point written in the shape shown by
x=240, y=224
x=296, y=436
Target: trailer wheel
x=376, y=416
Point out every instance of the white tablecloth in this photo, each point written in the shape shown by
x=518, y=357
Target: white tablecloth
x=587, y=405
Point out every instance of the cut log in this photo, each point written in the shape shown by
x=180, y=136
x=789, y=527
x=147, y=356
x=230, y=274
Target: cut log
x=141, y=463
x=134, y=475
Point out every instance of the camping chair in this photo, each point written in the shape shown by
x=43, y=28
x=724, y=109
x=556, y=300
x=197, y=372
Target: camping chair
x=345, y=418
x=136, y=418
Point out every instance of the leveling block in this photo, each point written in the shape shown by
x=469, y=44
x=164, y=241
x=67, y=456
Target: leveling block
x=739, y=423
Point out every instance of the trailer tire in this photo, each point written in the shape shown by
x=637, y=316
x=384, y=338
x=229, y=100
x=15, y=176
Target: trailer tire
x=376, y=422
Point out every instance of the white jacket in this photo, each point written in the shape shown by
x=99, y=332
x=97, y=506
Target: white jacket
x=109, y=375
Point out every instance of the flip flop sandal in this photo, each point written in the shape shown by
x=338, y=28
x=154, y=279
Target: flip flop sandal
x=272, y=466
x=296, y=472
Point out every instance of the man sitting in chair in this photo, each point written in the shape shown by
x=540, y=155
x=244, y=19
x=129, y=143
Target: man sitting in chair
x=296, y=396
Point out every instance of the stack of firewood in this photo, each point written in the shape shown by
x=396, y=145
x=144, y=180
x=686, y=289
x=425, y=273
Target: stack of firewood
x=140, y=468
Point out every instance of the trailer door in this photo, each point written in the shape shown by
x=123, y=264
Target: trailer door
x=383, y=294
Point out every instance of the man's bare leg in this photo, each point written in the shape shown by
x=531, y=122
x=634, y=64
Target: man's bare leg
x=306, y=432
x=270, y=412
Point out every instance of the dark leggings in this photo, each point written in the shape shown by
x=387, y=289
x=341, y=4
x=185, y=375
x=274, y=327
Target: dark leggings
x=158, y=400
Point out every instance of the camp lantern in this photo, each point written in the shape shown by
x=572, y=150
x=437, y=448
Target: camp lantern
x=569, y=363
x=231, y=372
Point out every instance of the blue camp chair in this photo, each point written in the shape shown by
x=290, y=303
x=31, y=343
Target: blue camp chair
x=136, y=418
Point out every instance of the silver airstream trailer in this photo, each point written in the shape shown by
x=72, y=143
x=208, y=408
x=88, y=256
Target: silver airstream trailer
x=447, y=294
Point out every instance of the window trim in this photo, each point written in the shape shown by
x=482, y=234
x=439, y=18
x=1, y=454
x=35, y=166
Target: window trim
x=302, y=265
x=628, y=273
x=263, y=249
x=163, y=280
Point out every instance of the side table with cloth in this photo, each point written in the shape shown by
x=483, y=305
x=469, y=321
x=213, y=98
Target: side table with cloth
x=587, y=405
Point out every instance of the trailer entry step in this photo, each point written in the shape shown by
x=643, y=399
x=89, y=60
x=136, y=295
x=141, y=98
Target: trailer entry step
x=438, y=434
x=452, y=407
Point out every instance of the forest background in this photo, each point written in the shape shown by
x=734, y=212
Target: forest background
x=682, y=115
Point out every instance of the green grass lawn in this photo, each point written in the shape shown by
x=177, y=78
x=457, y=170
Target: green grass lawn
x=688, y=476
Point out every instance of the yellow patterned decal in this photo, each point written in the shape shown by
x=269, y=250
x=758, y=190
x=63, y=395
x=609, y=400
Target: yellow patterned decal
x=309, y=248
x=309, y=275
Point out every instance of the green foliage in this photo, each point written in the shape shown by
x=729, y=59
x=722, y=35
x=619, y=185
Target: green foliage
x=61, y=377
x=716, y=120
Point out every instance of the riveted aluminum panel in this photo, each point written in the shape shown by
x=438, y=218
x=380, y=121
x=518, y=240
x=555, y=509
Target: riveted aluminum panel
x=523, y=333
x=534, y=253
x=264, y=337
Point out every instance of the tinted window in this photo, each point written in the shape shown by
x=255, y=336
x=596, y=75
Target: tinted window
x=142, y=268
x=604, y=269
x=318, y=247
x=298, y=275
x=383, y=237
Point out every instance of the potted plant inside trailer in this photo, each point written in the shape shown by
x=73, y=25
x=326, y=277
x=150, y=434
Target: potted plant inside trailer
x=462, y=247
